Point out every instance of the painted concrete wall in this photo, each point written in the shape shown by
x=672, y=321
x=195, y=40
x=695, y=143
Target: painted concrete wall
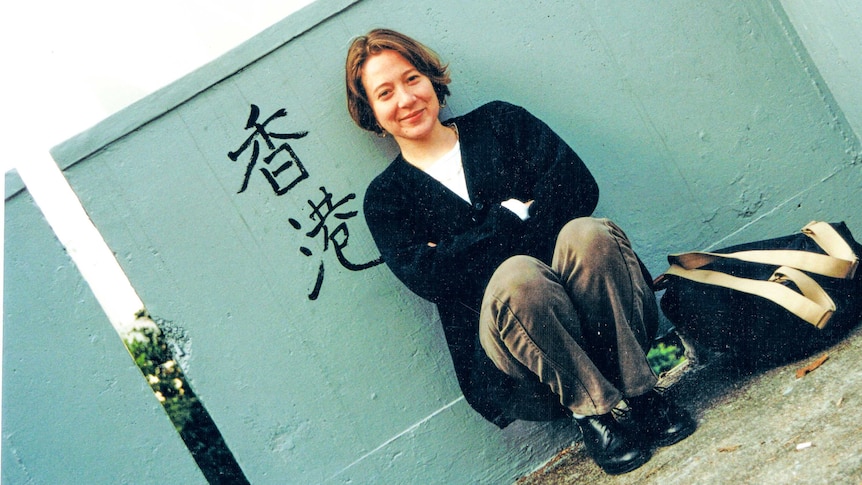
x=704, y=125
x=76, y=409
x=830, y=31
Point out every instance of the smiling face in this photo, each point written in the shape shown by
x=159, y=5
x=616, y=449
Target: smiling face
x=402, y=98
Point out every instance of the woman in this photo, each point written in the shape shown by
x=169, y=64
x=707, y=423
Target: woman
x=546, y=311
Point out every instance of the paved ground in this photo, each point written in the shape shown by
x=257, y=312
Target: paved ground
x=765, y=427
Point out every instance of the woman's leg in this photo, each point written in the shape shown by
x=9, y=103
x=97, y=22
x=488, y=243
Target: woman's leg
x=529, y=327
x=603, y=277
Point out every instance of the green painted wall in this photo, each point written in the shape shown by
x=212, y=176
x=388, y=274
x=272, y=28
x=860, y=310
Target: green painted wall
x=76, y=409
x=705, y=125
x=829, y=30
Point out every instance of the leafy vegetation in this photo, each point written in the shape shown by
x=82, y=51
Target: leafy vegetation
x=153, y=356
x=663, y=357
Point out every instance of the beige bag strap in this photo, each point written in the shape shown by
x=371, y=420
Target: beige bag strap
x=830, y=241
x=814, y=305
x=839, y=261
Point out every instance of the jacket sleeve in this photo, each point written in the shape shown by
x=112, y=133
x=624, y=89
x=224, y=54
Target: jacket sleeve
x=459, y=264
x=561, y=185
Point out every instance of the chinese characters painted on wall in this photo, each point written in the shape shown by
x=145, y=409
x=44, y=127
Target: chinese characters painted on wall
x=282, y=153
x=283, y=170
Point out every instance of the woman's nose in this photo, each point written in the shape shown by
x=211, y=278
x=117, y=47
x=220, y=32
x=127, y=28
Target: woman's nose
x=406, y=97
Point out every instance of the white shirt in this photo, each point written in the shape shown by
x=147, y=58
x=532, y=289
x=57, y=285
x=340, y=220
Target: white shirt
x=449, y=171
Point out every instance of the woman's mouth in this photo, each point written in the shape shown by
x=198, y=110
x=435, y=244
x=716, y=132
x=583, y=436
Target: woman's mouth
x=412, y=116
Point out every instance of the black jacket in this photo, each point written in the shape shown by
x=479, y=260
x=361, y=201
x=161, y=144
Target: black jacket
x=507, y=153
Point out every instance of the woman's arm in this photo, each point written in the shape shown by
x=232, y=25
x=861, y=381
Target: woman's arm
x=436, y=264
x=561, y=185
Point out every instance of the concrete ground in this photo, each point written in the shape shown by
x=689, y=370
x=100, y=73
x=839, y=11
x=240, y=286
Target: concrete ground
x=763, y=427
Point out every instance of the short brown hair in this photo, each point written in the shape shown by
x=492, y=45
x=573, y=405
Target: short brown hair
x=421, y=57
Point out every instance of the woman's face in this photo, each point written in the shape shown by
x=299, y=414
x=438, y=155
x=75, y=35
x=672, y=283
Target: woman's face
x=402, y=98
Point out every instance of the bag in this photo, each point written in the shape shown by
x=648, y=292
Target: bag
x=768, y=301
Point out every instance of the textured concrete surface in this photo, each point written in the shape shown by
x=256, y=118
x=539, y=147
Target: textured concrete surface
x=76, y=408
x=761, y=427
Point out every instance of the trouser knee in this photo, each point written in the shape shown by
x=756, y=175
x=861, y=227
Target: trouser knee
x=519, y=279
x=590, y=240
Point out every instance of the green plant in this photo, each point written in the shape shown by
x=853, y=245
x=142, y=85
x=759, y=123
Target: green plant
x=154, y=357
x=663, y=357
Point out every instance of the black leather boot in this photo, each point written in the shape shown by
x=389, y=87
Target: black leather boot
x=610, y=444
x=660, y=420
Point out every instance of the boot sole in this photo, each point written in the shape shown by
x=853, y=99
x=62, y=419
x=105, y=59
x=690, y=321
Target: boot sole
x=628, y=467
x=675, y=438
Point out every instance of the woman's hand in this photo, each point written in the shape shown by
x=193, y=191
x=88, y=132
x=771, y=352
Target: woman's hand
x=519, y=208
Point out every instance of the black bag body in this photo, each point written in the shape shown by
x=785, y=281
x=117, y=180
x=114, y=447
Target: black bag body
x=756, y=330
